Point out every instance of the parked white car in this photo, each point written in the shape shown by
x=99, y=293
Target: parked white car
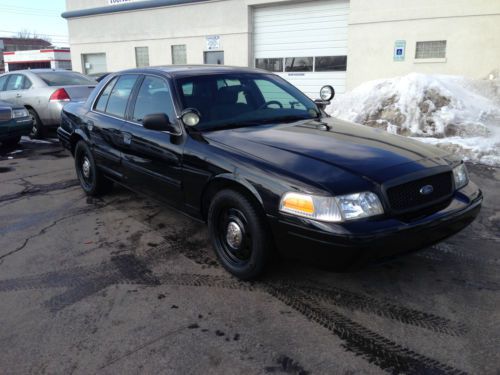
x=44, y=92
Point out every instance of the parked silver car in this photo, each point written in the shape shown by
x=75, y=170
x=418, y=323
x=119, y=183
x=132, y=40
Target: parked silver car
x=44, y=92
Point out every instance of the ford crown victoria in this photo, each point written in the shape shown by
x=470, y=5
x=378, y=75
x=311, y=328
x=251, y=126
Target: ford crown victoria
x=266, y=167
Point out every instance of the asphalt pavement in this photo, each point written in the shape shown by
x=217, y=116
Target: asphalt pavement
x=125, y=285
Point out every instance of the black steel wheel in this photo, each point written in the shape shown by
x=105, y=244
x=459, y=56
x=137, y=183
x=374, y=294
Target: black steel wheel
x=37, y=127
x=239, y=234
x=91, y=180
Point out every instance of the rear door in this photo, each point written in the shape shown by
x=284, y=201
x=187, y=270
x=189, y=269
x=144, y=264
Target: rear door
x=152, y=159
x=106, y=119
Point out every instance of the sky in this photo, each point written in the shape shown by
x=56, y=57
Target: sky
x=41, y=17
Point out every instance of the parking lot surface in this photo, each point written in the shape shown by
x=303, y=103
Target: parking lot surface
x=124, y=285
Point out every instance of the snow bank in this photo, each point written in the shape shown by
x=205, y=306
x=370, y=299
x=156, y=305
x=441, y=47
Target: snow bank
x=452, y=112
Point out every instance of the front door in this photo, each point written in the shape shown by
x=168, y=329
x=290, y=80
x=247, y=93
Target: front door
x=152, y=159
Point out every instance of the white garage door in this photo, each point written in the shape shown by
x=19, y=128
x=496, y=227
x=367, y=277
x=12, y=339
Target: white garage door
x=305, y=43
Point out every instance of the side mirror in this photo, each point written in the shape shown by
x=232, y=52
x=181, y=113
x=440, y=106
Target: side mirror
x=327, y=93
x=160, y=122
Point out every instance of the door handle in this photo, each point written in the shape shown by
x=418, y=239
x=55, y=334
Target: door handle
x=19, y=96
x=127, y=138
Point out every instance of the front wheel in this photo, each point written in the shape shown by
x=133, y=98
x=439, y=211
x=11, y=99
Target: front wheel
x=91, y=180
x=239, y=235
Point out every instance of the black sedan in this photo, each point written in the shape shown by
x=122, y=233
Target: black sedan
x=15, y=121
x=250, y=154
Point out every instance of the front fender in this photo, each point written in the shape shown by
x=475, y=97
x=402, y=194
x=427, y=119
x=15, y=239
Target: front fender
x=231, y=178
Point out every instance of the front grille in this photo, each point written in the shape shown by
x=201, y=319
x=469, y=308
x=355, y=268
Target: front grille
x=408, y=196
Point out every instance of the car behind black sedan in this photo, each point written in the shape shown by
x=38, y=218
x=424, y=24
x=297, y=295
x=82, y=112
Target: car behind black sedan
x=250, y=154
x=15, y=121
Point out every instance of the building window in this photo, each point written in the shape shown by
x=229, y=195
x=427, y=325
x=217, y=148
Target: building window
x=431, y=50
x=141, y=56
x=299, y=64
x=330, y=63
x=179, y=54
x=94, y=63
x=271, y=65
x=214, y=57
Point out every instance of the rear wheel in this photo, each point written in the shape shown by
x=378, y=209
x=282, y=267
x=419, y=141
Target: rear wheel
x=239, y=235
x=37, y=128
x=91, y=179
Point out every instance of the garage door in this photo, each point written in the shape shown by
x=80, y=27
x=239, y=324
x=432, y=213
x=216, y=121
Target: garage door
x=305, y=43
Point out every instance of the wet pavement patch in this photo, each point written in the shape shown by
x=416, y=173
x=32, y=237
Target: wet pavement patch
x=6, y=169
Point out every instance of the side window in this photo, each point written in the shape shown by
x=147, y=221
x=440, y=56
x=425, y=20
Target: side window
x=15, y=82
x=272, y=92
x=103, y=98
x=153, y=97
x=118, y=99
x=3, y=81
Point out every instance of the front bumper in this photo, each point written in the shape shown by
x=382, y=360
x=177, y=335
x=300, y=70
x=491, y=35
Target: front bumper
x=347, y=245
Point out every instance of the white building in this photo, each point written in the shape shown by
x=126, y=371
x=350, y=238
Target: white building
x=34, y=59
x=310, y=43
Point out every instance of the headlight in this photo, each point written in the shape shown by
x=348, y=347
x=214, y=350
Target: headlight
x=359, y=205
x=19, y=113
x=331, y=209
x=461, y=176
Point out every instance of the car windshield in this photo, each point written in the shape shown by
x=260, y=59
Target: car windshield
x=64, y=78
x=244, y=99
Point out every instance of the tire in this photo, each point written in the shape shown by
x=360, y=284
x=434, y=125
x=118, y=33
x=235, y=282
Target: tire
x=91, y=179
x=37, y=130
x=11, y=142
x=239, y=235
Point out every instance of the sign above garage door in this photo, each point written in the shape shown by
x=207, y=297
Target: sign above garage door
x=304, y=42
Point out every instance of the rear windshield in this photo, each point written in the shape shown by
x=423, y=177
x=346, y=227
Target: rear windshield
x=65, y=78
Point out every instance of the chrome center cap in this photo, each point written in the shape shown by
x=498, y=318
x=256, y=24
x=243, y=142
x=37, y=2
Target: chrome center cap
x=86, y=168
x=234, y=235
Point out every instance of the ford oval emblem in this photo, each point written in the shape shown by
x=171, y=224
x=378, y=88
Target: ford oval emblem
x=426, y=190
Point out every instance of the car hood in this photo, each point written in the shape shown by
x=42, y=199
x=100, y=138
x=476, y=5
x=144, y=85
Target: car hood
x=306, y=147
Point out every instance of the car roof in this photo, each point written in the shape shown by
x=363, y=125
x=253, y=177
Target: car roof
x=41, y=71
x=177, y=71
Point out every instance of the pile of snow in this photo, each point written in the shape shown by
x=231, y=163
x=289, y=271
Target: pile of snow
x=452, y=112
